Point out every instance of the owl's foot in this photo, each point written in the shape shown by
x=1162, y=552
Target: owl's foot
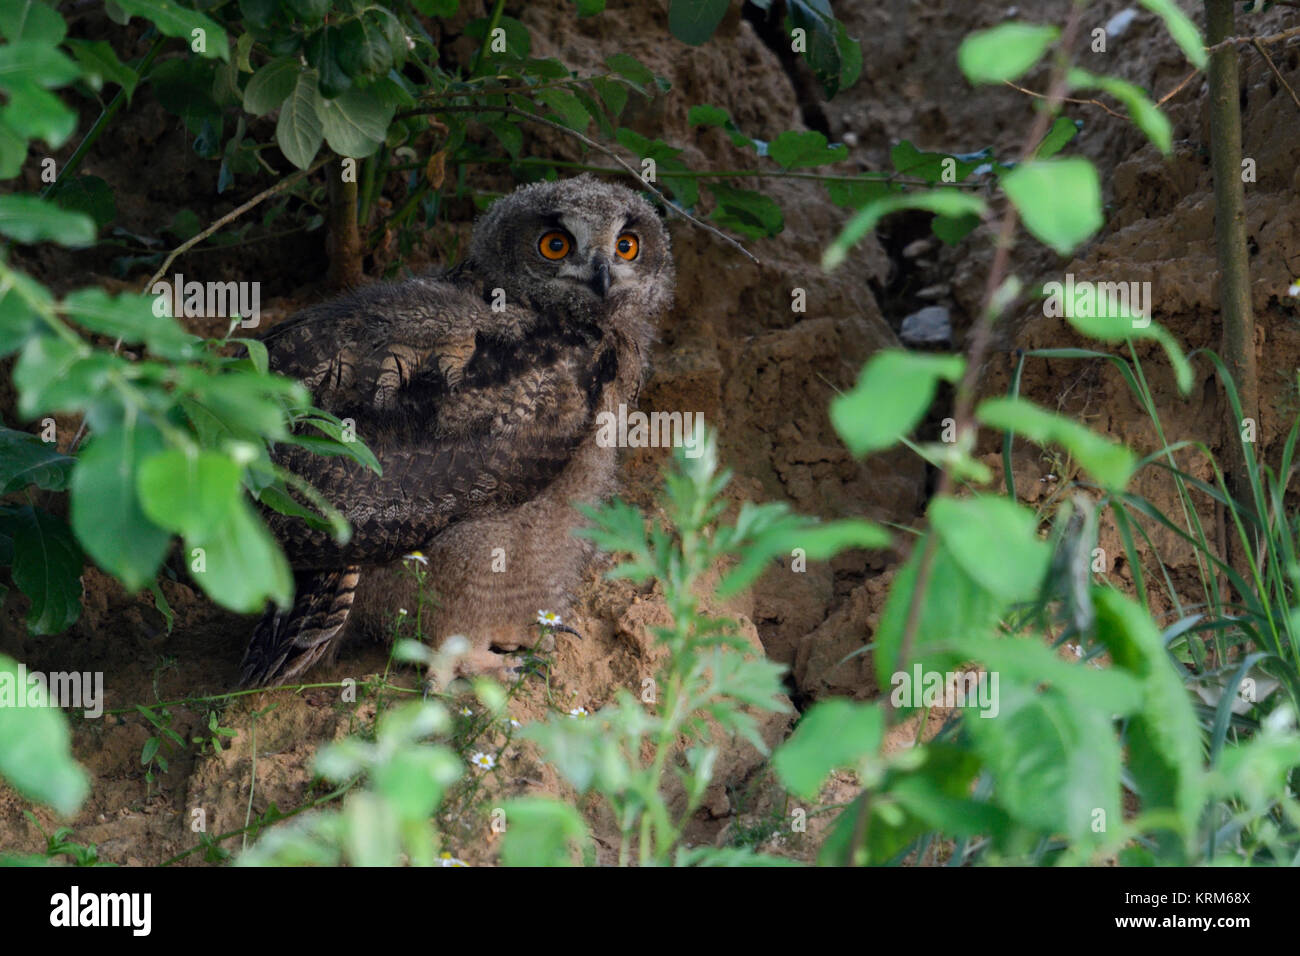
x=568, y=630
x=485, y=662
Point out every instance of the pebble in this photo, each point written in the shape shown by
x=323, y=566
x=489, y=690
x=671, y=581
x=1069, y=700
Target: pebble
x=929, y=326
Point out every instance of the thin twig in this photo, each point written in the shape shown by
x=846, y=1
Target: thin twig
x=1175, y=91
x=1098, y=103
x=234, y=214
x=1273, y=38
x=1280, y=78
x=591, y=144
x=1065, y=99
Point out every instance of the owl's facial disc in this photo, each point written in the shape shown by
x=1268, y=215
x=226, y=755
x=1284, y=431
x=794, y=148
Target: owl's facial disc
x=597, y=258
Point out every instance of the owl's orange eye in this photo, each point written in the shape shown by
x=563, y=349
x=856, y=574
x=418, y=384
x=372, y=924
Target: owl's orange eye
x=627, y=246
x=554, y=245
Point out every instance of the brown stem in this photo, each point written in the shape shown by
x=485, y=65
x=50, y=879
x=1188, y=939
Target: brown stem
x=982, y=332
x=1230, y=246
x=344, y=242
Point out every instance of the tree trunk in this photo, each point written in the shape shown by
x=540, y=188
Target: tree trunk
x=343, y=242
x=1238, y=345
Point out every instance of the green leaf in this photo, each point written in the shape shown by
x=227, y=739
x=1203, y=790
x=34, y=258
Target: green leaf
x=1004, y=52
x=954, y=606
x=509, y=134
x=935, y=796
x=322, y=53
x=343, y=444
x=589, y=8
x=35, y=750
x=250, y=404
x=355, y=123
x=242, y=566
x=99, y=64
x=54, y=375
x=310, y=11
x=540, y=831
x=17, y=316
x=1063, y=130
x=1144, y=113
x=567, y=106
x=35, y=113
x=1104, y=311
x=1058, y=199
x=793, y=149
x=132, y=318
x=188, y=492
x=832, y=734
x=746, y=211
x=974, y=528
x=47, y=568
x=26, y=460
x=31, y=20
x=945, y=202
x=890, y=398
x=517, y=41
x=29, y=219
x=818, y=542
x=299, y=130
x=694, y=21
x=90, y=196
x=612, y=94
x=834, y=57
x=1182, y=29
x=953, y=229
x=857, y=192
x=1109, y=462
x=271, y=85
x=35, y=62
x=631, y=69
x=174, y=20
x=106, y=512
x=1055, y=764
x=1164, y=738
x=937, y=167
x=13, y=150
x=185, y=88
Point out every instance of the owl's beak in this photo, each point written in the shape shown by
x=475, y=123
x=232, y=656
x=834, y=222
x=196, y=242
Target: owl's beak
x=599, y=280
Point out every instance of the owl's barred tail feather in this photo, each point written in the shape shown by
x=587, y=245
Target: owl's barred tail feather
x=286, y=643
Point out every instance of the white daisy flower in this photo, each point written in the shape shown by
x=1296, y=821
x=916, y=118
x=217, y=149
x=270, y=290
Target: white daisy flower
x=1294, y=289
x=416, y=556
x=446, y=859
x=514, y=724
x=401, y=612
x=483, y=761
x=578, y=712
x=548, y=619
x=466, y=712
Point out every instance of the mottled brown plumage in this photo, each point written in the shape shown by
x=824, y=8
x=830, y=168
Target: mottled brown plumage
x=478, y=391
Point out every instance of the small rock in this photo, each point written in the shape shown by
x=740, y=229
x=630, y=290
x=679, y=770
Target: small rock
x=934, y=292
x=917, y=247
x=1118, y=24
x=929, y=326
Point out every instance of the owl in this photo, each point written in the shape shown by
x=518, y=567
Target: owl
x=478, y=390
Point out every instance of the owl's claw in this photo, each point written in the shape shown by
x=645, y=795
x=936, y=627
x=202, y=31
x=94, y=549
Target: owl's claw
x=568, y=630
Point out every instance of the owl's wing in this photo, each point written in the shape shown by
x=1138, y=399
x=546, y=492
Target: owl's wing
x=466, y=418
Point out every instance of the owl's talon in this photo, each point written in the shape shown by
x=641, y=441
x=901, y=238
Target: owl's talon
x=568, y=630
